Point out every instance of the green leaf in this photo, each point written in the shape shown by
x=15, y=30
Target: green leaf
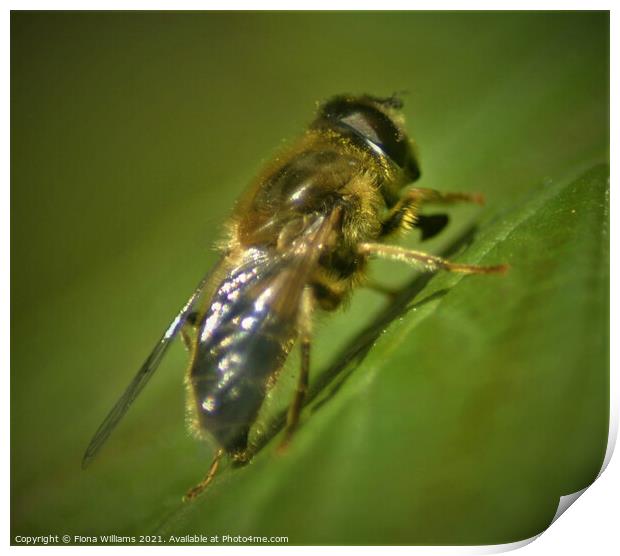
x=463, y=422
x=458, y=414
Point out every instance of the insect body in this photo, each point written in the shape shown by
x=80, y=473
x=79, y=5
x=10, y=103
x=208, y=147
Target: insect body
x=298, y=241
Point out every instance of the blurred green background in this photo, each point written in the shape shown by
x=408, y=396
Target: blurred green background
x=484, y=401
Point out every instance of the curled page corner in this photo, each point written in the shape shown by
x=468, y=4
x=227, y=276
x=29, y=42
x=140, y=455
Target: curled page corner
x=612, y=434
x=563, y=505
x=499, y=548
x=565, y=502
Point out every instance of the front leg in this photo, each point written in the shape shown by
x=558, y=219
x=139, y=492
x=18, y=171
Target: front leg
x=404, y=215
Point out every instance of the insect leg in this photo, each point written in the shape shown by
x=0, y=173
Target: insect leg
x=195, y=491
x=302, y=381
x=423, y=195
x=188, y=329
x=404, y=215
x=426, y=262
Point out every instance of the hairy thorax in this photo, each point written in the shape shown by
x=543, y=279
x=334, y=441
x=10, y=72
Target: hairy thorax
x=316, y=181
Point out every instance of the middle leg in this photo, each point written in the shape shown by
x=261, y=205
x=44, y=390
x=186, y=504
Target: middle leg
x=305, y=326
x=429, y=263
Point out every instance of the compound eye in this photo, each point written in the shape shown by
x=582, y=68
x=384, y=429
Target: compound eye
x=374, y=127
x=379, y=131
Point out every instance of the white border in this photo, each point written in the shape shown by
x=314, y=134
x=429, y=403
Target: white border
x=311, y=5
x=588, y=526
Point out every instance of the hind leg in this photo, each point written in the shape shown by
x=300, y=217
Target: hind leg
x=188, y=331
x=202, y=485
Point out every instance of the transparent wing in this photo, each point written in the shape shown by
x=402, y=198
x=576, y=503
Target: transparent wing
x=143, y=375
x=248, y=331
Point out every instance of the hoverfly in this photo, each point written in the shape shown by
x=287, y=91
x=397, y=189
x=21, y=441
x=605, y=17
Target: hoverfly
x=298, y=241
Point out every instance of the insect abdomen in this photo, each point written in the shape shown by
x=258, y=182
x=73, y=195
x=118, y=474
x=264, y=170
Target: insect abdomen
x=241, y=344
